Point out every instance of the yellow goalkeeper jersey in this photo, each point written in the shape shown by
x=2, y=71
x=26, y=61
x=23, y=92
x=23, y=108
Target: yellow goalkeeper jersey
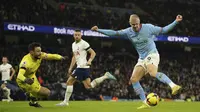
x=29, y=66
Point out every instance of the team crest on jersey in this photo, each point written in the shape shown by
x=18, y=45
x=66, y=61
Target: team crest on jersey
x=24, y=64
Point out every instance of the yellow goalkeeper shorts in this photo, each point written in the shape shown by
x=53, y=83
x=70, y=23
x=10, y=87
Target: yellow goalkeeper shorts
x=33, y=88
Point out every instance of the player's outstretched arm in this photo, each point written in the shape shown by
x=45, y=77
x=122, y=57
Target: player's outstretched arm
x=172, y=25
x=107, y=31
x=48, y=56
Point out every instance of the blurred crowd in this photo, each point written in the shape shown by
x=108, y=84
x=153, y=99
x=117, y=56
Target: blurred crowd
x=80, y=15
x=53, y=74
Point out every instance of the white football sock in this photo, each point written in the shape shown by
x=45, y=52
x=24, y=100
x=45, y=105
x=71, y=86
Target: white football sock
x=98, y=81
x=8, y=92
x=68, y=93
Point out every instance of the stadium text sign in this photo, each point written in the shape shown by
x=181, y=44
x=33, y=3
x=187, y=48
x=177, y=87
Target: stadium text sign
x=177, y=39
x=86, y=32
x=59, y=30
x=21, y=27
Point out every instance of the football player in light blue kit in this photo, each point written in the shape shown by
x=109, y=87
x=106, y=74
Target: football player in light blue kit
x=141, y=36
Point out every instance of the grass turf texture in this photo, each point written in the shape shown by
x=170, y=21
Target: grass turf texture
x=99, y=106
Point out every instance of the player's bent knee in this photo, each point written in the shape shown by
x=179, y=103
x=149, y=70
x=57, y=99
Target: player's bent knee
x=69, y=83
x=44, y=92
x=134, y=79
x=152, y=73
x=47, y=91
x=3, y=85
x=88, y=86
x=152, y=70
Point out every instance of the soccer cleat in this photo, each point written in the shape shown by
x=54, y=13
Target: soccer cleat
x=143, y=106
x=62, y=104
x=110, y=76
x=176, y=89
x=9, y=100
x=35, y=104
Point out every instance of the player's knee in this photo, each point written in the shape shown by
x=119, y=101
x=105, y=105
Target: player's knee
x=134, y=79
x=152, y=73
x=44, y=92
x=69, y=83
x=152, y=70
x=48, y=92
x=3, y=86
x=88, y=86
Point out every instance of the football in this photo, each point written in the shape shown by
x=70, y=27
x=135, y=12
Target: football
x=152, y=99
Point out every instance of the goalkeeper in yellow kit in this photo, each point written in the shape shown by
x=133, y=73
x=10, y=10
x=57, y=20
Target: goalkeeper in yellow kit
x=27, y=79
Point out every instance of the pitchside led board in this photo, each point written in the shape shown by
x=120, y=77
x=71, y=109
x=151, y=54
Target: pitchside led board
x=87, y=32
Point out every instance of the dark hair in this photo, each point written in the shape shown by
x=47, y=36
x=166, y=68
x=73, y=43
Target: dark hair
x=77, y=30
x=33, y=45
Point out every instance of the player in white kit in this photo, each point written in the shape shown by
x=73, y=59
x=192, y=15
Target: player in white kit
x=80, y=49
x=5, y=70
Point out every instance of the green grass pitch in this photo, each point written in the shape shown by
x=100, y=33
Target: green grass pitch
x=99, y=106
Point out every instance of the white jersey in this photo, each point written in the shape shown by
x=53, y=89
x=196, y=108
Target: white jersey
x=5, y=71
x=80, y=51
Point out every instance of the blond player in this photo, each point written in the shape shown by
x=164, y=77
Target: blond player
x=27, y=79
x=141, y=37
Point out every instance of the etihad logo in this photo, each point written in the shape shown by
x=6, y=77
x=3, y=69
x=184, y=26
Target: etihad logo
x=177, y=39
x=17, y=27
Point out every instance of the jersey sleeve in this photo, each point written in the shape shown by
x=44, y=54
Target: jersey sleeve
x=23, y=64
x=86, y=46
x=119, y=33
x=22, y=69
x=155, y=30
x=10, y=66
x=73, y=47
x=49, y=56
x=123, y=32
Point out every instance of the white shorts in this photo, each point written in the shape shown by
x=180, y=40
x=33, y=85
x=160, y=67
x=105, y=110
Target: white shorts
x=153, y=58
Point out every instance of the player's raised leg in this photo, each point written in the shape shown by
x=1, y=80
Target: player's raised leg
x=152, y=70
x=88, y=84
x=99, y=80
x=68, y=92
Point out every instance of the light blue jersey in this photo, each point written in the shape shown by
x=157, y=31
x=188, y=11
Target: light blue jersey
x=142, y=40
